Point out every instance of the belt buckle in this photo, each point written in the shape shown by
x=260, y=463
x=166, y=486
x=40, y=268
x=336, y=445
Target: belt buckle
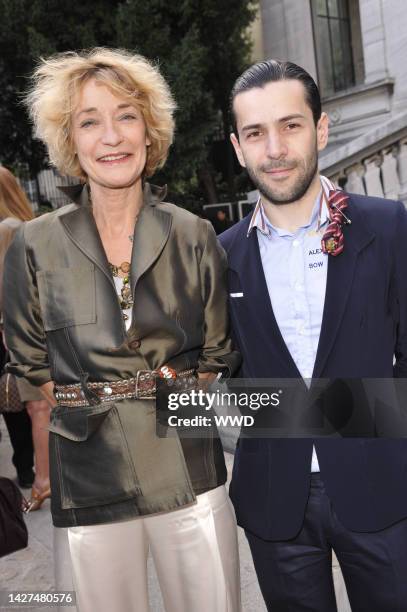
x=166, y=372
x=146, y=379
x=145, y=387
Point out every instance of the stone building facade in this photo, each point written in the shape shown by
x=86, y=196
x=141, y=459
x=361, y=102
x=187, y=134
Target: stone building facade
x=357, y=52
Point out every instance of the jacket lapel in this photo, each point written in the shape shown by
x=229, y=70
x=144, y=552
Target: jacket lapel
x=341, y=271
x=81, y=228
x=150, y=233
x=245, y=260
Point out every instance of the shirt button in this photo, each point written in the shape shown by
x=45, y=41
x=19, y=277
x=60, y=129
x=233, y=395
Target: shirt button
x=296, y=243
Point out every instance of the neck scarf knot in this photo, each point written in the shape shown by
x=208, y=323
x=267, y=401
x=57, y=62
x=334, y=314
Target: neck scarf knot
x=332, y=242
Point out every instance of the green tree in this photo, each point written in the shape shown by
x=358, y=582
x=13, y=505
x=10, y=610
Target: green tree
x=29, y=29
x=17, y=147
x=156, y=30
x=224, y=29
x=200, y=45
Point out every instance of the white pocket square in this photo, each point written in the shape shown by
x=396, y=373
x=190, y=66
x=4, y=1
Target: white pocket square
x=236, y=295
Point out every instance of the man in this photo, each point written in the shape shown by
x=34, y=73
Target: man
x=317, y=290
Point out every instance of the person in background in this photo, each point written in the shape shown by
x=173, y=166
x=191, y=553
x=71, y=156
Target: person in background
x=25, y=437
x=20, y=432
x=116, y=290
x=221, y=222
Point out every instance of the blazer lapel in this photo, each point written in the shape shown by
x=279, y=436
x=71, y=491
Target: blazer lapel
x=245, y=260
x=339, y=282
x=81, y=228
x=150, y=233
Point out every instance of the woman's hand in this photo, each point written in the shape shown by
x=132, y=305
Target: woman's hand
x=48, y=392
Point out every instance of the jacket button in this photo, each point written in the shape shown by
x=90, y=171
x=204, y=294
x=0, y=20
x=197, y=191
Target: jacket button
x=135, y=344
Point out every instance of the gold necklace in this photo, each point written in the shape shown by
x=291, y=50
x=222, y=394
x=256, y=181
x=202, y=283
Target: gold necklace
x=124, y=267
x=126, y=298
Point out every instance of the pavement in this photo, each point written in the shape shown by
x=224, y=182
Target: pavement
x=34, y=568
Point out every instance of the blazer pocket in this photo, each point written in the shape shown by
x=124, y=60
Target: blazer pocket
x=78, y=424
x=93, y=460
x=67, y=297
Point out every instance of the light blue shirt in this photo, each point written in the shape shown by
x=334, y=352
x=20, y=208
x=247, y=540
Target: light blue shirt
x=296, y=271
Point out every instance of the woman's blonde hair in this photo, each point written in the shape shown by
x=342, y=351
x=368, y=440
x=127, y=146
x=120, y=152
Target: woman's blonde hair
x=56, y=83
x=13, y=201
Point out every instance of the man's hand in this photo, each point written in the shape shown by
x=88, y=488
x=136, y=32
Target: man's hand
x=206, y=379
x=208, y=376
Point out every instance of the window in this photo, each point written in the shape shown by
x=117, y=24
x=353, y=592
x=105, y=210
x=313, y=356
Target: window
x=338, y=44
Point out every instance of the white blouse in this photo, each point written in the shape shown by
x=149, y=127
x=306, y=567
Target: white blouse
x=118, y=281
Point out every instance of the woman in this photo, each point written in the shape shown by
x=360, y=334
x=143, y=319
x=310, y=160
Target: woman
x=113, y=289
x=14, y=209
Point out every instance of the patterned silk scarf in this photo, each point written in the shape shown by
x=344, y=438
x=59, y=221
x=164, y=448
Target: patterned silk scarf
x=332, y=242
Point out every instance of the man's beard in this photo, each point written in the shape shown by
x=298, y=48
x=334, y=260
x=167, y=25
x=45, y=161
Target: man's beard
x=293, y=193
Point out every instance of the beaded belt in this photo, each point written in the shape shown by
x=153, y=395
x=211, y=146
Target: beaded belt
x=142, y=386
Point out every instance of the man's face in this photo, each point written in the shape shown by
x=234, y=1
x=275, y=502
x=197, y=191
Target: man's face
x=278, y=141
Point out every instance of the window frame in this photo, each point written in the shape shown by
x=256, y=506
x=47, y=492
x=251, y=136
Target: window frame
x=355, y=53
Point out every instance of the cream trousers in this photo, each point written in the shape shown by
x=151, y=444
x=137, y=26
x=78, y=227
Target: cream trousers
x=195, y=553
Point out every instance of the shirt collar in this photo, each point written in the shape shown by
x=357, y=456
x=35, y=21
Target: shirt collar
x=152, y=194
x=260, y=221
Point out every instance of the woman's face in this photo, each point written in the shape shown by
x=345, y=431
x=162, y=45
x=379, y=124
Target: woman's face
x=109, y=136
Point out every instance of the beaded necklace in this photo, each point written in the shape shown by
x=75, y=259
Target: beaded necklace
x=126, y=298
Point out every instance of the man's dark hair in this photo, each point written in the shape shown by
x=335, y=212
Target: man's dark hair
x=270, y=70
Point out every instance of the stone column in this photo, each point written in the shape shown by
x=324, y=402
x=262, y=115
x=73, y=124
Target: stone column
x=373, y=36
x=390, y=178
x=402, y=173
x=288, y=33
x=372, y=177
x=355, y=184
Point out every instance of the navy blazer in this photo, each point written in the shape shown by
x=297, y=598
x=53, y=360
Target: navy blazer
x=364, y=326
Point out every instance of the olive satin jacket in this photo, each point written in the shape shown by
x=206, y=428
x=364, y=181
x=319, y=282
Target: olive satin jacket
x=63, y=322
x=8, y=228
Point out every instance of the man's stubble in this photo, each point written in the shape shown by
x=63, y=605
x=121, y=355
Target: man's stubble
x=295, y=192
